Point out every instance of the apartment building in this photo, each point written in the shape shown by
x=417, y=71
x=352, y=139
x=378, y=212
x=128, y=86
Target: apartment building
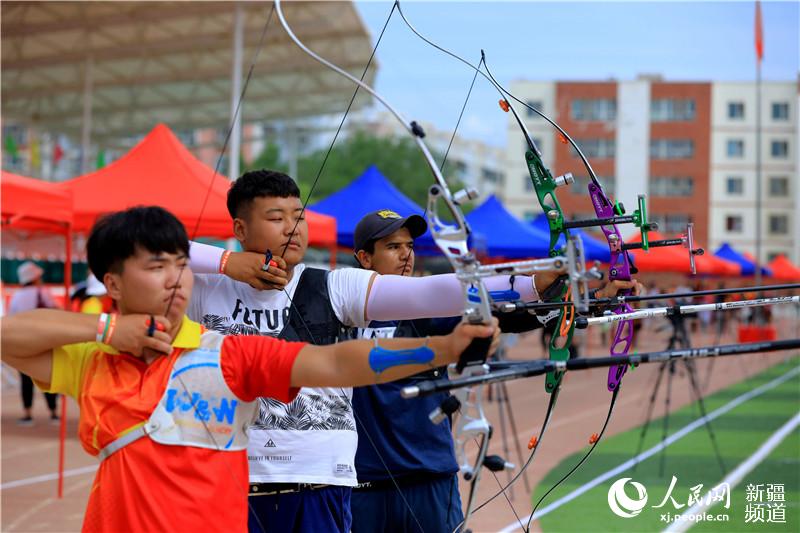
x=674, y=142
x=733, y=170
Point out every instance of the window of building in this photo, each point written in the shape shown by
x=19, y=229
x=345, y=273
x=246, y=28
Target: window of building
x=780, y=111
x=736, y=110
x=672, y=110
x=594, y=109
x=671, y=224
x=461, y=170
x=595, y=148
x=581, y=184
x=492, y=176
x=671, y=148
x=734, y=185
x=734, y=223
x=671, y=186
x=735, y=148
x=186, y=137
x=536, y=141
x=779, y=186
x=779, y=224
x=779, y=149
x=537, y=104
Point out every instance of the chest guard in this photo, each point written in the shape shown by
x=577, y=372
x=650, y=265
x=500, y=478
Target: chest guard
x=197, y=408
x=311, y=315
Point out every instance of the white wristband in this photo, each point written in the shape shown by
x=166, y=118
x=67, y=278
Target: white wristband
x=205, y=258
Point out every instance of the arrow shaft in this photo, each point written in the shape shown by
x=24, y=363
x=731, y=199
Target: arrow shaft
x=685, y=310
x=509, y=370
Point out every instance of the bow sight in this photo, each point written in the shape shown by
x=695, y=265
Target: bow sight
x=452, y=239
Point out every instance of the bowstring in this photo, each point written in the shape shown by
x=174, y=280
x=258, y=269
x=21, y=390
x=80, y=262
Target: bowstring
x=338, y=130
x=551, y=405
x=228, y=134
x=294, y=230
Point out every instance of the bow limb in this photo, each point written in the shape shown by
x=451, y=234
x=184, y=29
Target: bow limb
x=452, y=240
x=557, y=350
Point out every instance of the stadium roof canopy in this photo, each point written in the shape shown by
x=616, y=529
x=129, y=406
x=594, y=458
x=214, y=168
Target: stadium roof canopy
x=151, y=62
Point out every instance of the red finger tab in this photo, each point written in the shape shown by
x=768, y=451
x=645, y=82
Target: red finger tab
x=272, y=263
x=152, y=325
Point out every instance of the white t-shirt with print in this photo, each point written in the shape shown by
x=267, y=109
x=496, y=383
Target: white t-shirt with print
x=313, y=439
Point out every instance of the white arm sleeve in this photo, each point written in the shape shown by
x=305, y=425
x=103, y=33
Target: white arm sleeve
x=204, y=258
x=406, y=298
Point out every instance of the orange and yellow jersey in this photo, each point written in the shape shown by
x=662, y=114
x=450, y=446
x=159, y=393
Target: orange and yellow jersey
x=147, y=486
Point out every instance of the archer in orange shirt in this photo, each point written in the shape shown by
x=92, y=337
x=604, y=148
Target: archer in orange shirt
x=163, y=403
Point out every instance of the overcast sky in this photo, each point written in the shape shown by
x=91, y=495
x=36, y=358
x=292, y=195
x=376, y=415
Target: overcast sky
x=698, y=41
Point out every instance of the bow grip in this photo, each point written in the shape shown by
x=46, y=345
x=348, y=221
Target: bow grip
x=475, y=353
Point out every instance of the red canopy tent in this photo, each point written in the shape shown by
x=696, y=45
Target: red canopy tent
x=783, y=269
x=676, y=259
x=161, y=171
x=30, y=206
x=33, y=206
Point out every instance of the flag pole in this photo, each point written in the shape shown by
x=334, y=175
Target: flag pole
x=759, y=45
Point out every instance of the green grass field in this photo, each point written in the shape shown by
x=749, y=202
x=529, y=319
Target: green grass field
x=739, y=433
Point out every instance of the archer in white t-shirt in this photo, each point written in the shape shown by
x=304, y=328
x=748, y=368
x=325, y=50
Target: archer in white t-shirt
x=302, y=454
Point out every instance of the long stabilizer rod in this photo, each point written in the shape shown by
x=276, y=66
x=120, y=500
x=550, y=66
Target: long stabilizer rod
x=584, y=322
x=508, y=370
x=619, y=300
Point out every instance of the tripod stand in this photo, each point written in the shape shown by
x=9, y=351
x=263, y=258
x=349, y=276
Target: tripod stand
x=679, y=338
x=499, y=392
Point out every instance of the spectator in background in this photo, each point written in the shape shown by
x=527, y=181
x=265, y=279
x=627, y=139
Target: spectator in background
x=97, y=300
x=32, y=295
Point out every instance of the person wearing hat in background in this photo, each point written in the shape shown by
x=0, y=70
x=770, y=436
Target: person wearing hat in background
x=32, y=295
x=409, y=477
x=406, y=465
x=97, y=300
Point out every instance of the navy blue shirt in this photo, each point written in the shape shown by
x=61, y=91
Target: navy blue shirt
x=408, y=442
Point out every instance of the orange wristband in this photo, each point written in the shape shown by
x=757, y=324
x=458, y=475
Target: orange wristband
x=223, y=262
x=112, y=324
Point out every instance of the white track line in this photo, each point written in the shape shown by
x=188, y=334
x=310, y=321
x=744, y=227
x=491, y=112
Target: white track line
x=21, y=519
x=682, y=523
x=47, y=477
x=658, y=447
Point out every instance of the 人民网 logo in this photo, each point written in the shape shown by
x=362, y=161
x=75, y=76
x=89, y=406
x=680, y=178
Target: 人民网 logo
x=619, y=502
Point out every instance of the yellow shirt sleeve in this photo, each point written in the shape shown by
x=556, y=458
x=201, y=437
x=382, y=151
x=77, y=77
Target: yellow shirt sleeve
x=69, y=365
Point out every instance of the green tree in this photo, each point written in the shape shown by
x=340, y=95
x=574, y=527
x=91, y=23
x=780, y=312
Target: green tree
x=270, y=157
x=398, y=159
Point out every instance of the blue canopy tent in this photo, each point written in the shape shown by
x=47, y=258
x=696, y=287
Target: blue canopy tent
x=498, y=233
x=369, y=192
x=594, y=249
x=748, y=267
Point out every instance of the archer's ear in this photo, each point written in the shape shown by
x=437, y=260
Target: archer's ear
x=364, y=259
x=113, y=286
x=239, y=229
